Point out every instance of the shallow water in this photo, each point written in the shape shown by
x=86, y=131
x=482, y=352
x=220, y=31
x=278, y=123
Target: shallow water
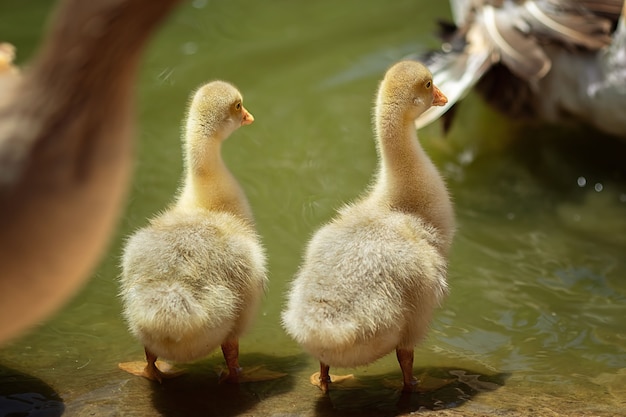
x=534, y=324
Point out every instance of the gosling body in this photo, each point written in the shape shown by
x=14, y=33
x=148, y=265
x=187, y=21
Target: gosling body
x=193, y=278
x=372, y=277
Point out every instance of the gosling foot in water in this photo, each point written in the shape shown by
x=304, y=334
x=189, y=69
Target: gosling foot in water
x=150, y=370
x=236, y=374
x=322, y=378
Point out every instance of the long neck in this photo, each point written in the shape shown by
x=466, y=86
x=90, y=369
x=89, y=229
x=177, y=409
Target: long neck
x=407, y=179
x=208, y=182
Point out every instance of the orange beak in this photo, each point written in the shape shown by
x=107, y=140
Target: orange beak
x=247, y=118
x=439, y=99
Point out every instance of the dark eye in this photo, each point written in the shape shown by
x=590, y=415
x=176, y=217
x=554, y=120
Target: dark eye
x=429, y=84
x=238, y=106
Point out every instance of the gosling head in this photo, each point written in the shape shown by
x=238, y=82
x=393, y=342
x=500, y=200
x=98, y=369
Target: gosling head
x=408, y=87
x=216, y=111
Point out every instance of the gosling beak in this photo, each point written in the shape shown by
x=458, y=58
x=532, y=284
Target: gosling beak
x=247, y=118
x=439, y=99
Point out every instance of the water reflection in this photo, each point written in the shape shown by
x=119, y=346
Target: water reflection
x=199, y=393
x=440, y=388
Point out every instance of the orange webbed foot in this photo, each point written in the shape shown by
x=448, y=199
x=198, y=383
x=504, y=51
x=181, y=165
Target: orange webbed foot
x=160, y=371
x=425, y=383
x=335, y=379
x=251, y=374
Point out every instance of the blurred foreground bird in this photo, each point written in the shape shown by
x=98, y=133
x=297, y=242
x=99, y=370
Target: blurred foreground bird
x=66, y=129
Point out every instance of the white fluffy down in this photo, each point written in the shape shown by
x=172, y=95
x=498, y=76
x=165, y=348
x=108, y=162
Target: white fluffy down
x=370, y=282
x=191, y=279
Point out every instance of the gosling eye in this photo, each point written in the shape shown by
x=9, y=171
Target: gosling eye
x=429, y=84
x=238, y=105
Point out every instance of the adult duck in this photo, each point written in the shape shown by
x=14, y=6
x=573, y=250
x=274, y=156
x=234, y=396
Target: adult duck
x=66, y=129
x=372, y=277
x=193, y=278
x=559, y=61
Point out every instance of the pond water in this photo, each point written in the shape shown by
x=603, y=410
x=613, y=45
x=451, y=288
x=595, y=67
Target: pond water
x=534, y=324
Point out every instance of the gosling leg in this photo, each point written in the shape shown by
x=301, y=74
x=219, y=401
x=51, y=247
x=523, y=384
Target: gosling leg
x=151, y=371
x=324, y=377
x=405, y=359
x=230, y=349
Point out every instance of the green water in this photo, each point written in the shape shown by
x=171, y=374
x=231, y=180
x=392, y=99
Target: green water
x=534, y=324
